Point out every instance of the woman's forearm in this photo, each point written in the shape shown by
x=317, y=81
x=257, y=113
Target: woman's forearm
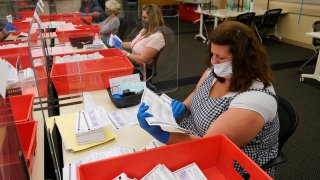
x=176, y=137
x=126, y=45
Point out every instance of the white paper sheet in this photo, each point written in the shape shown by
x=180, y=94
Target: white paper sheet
x=160, y=108
x=4, y=74
x=160, y=172
x=123, y=117
x=190, y=172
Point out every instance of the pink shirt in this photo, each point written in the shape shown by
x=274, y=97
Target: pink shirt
x=155, y=40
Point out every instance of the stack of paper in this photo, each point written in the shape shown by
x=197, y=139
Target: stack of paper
x=85, y=130
x=89, y=125
x=70, y=170
x=69, y=139
x=161, y=172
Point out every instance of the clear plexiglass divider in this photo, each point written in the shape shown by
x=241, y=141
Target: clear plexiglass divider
x=160, y=73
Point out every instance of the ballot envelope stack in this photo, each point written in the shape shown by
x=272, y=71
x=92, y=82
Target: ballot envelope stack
x=88, y=128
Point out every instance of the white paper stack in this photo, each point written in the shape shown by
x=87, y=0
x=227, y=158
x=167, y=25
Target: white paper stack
x=160, y=172
x=190, y=172
x=89, y=126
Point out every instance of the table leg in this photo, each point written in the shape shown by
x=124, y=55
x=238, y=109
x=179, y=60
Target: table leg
x=315, y=75
x=215, y=22
x=256, y=29
x=200, y=35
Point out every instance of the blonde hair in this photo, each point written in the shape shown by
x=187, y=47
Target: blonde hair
x=113, y=6
x=155, y=18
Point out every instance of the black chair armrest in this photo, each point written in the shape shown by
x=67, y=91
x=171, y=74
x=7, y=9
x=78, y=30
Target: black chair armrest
x=281, y=158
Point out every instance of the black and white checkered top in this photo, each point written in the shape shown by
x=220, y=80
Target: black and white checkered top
x=205, y=110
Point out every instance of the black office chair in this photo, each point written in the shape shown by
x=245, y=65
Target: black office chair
x=288, y=119
x=315, y=45
x=268, y=24
x=246, y=18
x=122, y=28
x=163, y=67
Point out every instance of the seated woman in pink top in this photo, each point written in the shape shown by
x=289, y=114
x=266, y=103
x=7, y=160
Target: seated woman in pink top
x=148, y=43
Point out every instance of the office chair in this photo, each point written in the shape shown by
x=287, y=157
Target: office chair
x=246, y=18
x=269, y=23
x=122, y=28
x=315, y=45
x=161, y=68
x=288, y=120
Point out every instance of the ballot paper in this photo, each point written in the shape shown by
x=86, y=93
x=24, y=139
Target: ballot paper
x=89, y=125
x=4, y=74
x=123, y=176
x=70, y=170
x=113, y=38
x=160, y=108
x=116, y=82
x=190, y=172
x=123, y=117
x=160, y=172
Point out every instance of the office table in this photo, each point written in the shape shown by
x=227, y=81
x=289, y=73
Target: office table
x=225, y=13
x=131, y=136
x=316, y=74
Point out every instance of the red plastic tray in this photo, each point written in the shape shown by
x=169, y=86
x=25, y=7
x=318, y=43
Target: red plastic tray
x=88, y=75
x=91, y=30
x=187, y=13
x=22, y=107
x=21, y=26
x=214, y=155
x=74, y=19
x=104, y=52
x=42, y=78
x=57, y=17
x=26, y=14
x=27, y=132
x=23, y=52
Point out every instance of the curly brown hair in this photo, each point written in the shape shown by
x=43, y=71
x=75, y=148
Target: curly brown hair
x=250, y=60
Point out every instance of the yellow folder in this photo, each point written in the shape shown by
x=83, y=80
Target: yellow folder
x=66, y=125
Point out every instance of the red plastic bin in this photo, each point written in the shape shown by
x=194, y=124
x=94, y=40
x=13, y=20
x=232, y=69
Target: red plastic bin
x=21, y=26
x=187, y=13
x=86, y=30
x=12, y=54
x=57, y=17
x=88, y=75
x=214, y=155
x=26, y=14
x=22, y=107
x=104, y=52
x=42, y=79
x=27, y=132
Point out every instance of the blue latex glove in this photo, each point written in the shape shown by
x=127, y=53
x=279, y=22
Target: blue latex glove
x=116, y=96
x=10, y=27
x=117, y=43
x=155, y=131
x=178, y=108
x=84, y=14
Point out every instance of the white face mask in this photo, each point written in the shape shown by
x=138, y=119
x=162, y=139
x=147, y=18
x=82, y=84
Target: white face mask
x=223, y=69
